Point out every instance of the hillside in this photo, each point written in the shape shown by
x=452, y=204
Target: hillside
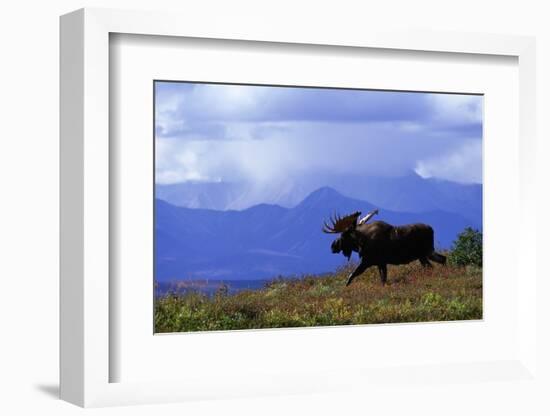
x=266, y=241
x=413, y=294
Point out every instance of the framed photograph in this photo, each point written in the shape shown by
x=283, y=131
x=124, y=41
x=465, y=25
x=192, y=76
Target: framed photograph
x=279, y=213
x=246, y=174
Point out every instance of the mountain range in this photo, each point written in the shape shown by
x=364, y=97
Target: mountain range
x=409, y=193
x=268, y=240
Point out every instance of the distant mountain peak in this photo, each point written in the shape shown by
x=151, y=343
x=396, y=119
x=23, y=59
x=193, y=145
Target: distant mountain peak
x=323, y=193
x=322, y=196
x=327, y=198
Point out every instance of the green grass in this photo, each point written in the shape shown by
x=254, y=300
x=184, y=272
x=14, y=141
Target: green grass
x=413, y=294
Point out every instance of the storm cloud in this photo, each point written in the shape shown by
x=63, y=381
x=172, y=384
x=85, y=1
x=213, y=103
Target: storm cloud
x=262, y=134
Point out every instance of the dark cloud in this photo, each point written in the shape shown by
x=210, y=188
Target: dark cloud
x=212, y=132
x=232, y=103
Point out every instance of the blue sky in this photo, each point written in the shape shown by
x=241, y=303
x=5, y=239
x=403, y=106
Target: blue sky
x=259, y=134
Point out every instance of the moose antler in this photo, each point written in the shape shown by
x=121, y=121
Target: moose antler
x=368, y=217
x=341, y=224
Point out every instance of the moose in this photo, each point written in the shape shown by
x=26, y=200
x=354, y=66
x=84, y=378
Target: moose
x=379, y=243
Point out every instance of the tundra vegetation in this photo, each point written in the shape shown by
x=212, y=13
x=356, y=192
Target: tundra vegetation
x=413, y=294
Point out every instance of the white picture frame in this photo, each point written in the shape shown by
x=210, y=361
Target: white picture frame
x=85, y=307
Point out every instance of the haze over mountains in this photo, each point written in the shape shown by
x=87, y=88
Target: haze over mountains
x=206, y=237
x=410, y=193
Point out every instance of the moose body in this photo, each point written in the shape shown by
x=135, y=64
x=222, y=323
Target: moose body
x=379, y=243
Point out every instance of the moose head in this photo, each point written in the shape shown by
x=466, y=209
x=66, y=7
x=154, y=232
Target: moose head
x=348, y=242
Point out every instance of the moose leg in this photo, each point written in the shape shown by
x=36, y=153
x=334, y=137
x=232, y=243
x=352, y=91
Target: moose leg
x=438, y=258
x=425, y=262
x=360, y=269
x=383, y=270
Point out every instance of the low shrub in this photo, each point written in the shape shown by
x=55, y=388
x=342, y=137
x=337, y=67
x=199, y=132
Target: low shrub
x=467, y=249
